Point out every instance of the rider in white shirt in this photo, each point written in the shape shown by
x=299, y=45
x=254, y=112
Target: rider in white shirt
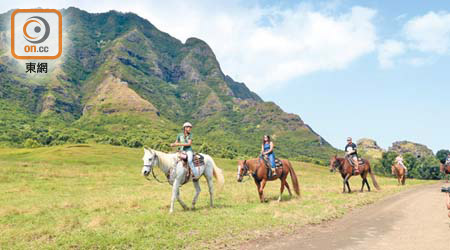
x=399, y=160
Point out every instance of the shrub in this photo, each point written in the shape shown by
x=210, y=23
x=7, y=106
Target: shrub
x=30, y=143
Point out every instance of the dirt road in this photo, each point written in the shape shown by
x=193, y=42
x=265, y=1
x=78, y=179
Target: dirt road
x=414, y=219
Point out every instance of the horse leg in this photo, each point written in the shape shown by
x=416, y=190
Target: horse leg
x=175, y=187
x=346, y=182
x=261, y=189
x=283, y=182
x=368, y=186
x=343, y=182
x=180, y=201
x=209, y=180
x=197, y=192
x=364, y=180
x=288, y=188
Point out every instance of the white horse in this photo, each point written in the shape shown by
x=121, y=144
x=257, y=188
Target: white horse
x=176, y=174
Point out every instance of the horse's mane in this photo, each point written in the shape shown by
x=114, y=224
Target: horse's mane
x=165, y=159
x=341, y=161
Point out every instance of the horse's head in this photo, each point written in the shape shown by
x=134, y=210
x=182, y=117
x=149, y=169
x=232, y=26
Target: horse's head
x=334, y=163
x=149, y=161
x=242, y=170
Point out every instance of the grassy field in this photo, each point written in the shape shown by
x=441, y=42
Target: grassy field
x=93, y=197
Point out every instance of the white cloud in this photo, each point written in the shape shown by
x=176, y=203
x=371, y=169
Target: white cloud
x=388, y=50
x=293, y=42
x=419, y=61
x=421, y=39
x=429, y=33
x=261, y=46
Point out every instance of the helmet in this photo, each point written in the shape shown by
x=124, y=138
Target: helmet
x=187, y=124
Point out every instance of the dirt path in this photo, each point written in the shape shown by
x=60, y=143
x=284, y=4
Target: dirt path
x=414, y=219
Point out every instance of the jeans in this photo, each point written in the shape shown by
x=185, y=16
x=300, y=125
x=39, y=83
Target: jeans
x=190, y=156
x=272, y=159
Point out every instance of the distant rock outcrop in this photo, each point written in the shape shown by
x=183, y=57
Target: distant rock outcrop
x=370, y=148
x=416, y=149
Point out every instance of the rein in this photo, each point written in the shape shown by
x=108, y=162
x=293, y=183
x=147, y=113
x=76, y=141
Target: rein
x=246, y=168
x=153, y=172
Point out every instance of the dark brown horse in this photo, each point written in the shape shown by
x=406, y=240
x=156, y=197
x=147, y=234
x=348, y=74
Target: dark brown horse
x=399, y=171
x=346, y=170
x=257, y=169
x=445, y=169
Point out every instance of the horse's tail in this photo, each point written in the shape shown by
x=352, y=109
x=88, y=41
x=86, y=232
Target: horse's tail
x=372, y=176
x=218, y=174
x=404, y=177
x=294, y=178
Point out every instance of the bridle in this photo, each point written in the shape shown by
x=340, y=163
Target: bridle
x=151, y=169
x=245, y=169
x=336, y=164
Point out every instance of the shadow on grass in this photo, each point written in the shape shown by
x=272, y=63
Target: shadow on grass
x=197, y=208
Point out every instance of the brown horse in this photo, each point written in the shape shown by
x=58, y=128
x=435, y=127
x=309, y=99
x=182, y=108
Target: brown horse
x=346, y=170
x=400, y=172
x=445, y=169
x=257, y=169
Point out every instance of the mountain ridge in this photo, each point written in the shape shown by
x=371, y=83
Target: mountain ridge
x=118, y=66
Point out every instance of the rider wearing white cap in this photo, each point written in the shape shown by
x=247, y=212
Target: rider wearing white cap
x=184, y=142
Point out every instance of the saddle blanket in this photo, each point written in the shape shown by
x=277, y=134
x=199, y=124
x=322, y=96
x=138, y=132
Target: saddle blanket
x=361, y=161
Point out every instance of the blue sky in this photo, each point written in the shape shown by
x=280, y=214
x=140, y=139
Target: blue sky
x=376, y=69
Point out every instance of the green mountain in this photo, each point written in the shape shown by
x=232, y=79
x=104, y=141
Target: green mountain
x=122, y=81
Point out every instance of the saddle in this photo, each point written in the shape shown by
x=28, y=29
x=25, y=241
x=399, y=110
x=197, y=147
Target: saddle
x=198, y=160
x=361, y=161
x=268, y=165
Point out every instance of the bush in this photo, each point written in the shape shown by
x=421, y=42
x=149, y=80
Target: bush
x=30, y=143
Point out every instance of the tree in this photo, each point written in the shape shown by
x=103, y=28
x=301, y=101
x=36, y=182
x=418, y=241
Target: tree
x=441, y=155
x=387, y=160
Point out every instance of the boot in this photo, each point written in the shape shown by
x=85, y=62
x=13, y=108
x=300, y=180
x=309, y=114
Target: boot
x=274, y=172
x=356, y=168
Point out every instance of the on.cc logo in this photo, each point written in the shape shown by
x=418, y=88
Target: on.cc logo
x=36, y=34
x=39, y=24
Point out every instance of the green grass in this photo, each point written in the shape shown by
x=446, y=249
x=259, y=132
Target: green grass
x=93, y=197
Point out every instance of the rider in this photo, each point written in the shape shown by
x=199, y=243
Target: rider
x=447, y=161
x=267, y=149
x=184, y=143
x=399, y=160
x=350, y=151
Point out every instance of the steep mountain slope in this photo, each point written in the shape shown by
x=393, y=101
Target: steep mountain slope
x=122, y=81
